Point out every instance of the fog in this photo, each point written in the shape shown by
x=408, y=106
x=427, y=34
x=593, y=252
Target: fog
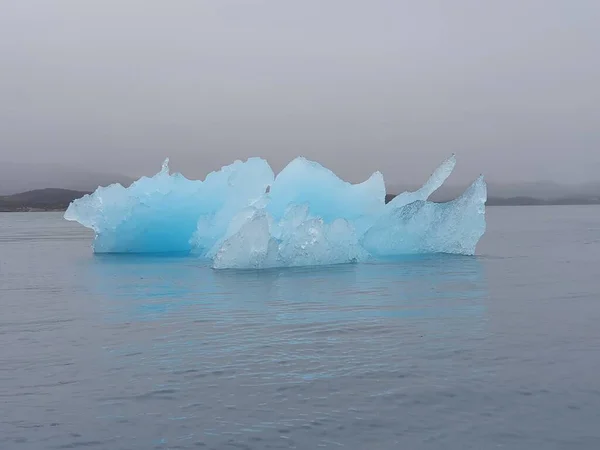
x=512, y=86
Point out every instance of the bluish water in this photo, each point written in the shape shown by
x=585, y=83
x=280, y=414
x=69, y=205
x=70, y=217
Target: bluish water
x=497, y=351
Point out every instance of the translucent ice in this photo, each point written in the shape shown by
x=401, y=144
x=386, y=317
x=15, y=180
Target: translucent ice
x=427, y=227
x=327, y=196
x=297, y=239
x=436, y=179
x=244, y=217
x=169, y=213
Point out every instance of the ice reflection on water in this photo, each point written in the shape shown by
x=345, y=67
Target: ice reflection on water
x=233, y=354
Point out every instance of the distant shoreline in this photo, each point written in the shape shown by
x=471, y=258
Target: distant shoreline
x=31, y=210
x=490, y=205
x=58, y=200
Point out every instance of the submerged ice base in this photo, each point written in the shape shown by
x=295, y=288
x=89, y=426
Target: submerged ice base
x=244, y=216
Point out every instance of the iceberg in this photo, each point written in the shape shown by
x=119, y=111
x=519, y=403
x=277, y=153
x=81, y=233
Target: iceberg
x=245, y=217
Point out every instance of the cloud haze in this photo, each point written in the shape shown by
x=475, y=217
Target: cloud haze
x=512, y=86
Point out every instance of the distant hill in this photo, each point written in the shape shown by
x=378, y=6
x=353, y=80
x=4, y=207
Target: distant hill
x=21, y=177
x=530, y=201
x=39, y=200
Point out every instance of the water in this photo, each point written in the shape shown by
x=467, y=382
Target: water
x=497, y=351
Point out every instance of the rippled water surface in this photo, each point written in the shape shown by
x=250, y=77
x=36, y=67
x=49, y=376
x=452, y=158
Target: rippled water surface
x=501, y=350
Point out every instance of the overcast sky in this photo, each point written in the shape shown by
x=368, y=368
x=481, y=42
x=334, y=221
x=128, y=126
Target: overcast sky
x=511, y=86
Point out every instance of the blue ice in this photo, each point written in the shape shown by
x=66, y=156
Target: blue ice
x=243, y=216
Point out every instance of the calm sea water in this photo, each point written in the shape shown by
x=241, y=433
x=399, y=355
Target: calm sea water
x=501, y=350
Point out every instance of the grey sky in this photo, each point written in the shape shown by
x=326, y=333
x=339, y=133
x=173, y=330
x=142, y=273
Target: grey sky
x=511, y=86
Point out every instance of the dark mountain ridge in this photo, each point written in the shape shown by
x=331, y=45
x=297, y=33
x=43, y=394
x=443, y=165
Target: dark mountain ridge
x=49, y=199
x=22, y=177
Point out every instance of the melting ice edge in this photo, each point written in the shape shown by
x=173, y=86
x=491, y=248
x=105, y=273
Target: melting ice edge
x=245, y=217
